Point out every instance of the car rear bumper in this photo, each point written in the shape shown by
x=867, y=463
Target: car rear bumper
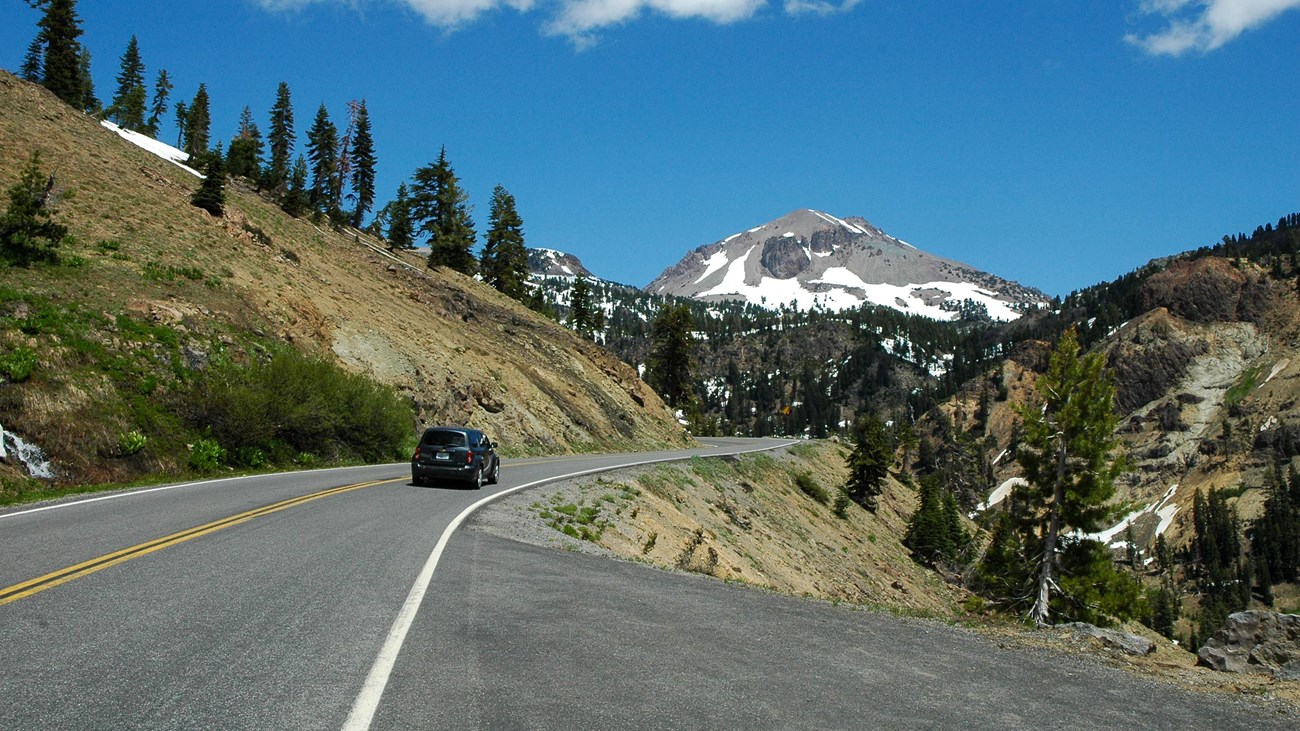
x=435, y=471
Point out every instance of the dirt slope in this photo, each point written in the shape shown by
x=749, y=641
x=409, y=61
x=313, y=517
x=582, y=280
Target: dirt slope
x=460, y=351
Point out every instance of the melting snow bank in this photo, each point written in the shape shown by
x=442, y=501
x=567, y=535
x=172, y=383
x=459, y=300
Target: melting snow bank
x=149, y=144
x=1162, y=508
x=29, y=455
x=1001, y=493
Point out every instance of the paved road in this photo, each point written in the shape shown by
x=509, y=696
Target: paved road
x=278, y=620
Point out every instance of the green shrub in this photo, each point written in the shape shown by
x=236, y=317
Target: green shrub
x=842, y=503
x=131, y=443
x=808, y=485
x=294, y=404
x=18, y=364
x=249, y=457
x=206, y=455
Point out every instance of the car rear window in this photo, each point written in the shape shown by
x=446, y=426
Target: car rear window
x=443, y=438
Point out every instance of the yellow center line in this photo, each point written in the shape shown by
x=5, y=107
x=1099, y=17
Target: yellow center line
x=63, y=576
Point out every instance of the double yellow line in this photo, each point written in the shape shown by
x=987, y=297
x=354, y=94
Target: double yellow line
x=63, y=576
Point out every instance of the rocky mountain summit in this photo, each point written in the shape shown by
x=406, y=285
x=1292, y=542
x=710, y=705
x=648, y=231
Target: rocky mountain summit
x=812, y=259
x=552, y=263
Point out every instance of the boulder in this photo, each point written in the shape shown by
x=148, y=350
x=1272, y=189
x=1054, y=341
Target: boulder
x=1255, y=642
x=1114, y=639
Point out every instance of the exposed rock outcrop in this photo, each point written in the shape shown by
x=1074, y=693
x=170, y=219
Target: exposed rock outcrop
x=1256, y=642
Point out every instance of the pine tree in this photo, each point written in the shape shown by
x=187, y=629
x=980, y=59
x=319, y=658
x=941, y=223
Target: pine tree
x=61, y=61
x=245, y=156
x=323, y=156
x=582, y=311
x=504, y=262
x=1066, y=456
x=128, y=106
x=296, y=200
x=868, y=462
x=211, y=195
x=89, y=102
x=34, y=59
x=670, y=366
x=363, y=166
x=198, y=122
x=182, y=124
x=401, y=234
x=162, y=89
x=441, y=210
x=28, y=232
x=280, y=139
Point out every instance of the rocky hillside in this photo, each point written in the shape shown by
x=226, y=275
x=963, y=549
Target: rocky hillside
x=814, y=259
x=158, y=288
x=1208, y=383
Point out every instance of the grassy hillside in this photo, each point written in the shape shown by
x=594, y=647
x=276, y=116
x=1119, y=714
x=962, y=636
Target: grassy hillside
x=153, y=294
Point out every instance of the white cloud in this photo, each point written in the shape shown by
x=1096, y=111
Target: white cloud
x=1204, y=25
x=579, y=19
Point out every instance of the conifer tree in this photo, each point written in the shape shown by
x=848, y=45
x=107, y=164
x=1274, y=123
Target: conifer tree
x=162, y=89
x=362, y=161
x=211, y=195
x=323, y=156
x=182, y=124
x=280, y=138
x=245, y=156
x=198, y=123
x=296, y=200
x=28, y=232
x=34, y=60
x=401, y=234
x=128, y=106
x=868, y=462
x=504, y=262
x=89, y=102
x=582, y=310
x=441, y=209
x=670, y=366
x=1066, y=455
x=61, y=62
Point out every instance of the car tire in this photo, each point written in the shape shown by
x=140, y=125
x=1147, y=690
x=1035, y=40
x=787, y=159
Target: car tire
x=496, y=473
x=417, y=481
x=477, y=480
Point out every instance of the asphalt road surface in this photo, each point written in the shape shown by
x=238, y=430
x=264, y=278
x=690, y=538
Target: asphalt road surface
x=337, y=599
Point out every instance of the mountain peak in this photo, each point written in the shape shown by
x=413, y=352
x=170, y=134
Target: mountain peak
x=812, y=259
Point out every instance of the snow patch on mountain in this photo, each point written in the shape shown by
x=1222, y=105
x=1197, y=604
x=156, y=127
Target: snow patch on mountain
x=149, y=144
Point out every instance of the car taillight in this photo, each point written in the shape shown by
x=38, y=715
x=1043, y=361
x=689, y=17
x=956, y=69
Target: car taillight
x=417, y=453
x=469, y=457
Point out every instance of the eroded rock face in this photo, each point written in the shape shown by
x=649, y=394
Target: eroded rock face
x=785, y=257
x=1206, y=290
x=1256, y=642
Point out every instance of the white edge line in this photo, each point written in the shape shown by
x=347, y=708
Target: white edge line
x=367, y=702
x=145, y=491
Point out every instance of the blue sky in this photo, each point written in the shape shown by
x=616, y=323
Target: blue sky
x=1055, y=142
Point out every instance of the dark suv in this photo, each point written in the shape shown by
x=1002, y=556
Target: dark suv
x=455, y=453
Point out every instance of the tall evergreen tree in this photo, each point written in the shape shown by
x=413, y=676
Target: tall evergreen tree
x=670, y=367
x=441, y=209
x=61, y=61
x=34, y=60
x=162, y=89
x=401, y=234
x=362, y=161
x=323, y=156
x=182, y=125
x=296, y=200
x=211, y=195
x=582, y=308
x=198, y=123
x=504, y=262
x=280, y=138
x=128, y=106
x=245, y=156
x=1066, y=455
x=28, y=231
x=89, y=102
x=868, y=462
